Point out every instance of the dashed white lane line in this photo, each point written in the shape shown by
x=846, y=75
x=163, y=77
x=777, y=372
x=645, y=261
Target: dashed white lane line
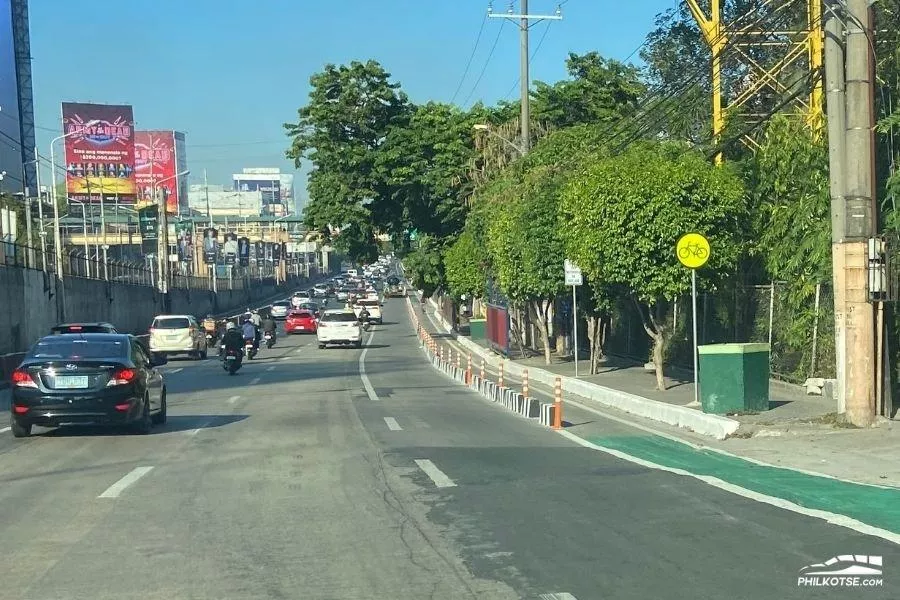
x=300, y=349
x=173, y=371
x=439, y=478
x=392, y=424
x=370, y=391
x=272, y=368
x=233, y=399
x=254, y=381
x=558, y=596
x=198, y=429
x=116, y=489
x=285, y=358
x=5, y=429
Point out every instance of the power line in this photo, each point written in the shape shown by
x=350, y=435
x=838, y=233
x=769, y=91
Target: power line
x=230, y=144
x=486, y=63
x=533, y=54
x=471, y=58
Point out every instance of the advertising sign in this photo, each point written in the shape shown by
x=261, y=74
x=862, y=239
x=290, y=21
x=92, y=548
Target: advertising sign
x=148, y=224
x=276, y=251
x=230, y=248
x=184, y=231
x=155, y=167
x=100, y=151
x=259, y=251
x=244, y=251
x=270, y=188
x=210, y=245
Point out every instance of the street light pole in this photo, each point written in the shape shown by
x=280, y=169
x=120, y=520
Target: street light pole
x=164, y=229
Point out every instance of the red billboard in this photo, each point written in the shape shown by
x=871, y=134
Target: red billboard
x=155, y=167
x=99, y=151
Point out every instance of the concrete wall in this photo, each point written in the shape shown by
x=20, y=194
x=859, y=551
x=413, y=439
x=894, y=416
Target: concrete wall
x=29, y=304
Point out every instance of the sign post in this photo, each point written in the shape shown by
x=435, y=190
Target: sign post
x=574, y=278
x=693, y=251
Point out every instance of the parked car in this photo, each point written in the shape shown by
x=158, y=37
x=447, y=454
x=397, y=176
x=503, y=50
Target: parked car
x=280, y=310
x=177, y=334
x=300, y=321
x=107, y=378
x=83, y=328
x=339, y=327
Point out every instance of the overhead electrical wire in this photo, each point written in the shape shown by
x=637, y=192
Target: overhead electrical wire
x=486, y=63
x=530, y=58
x=462, y=79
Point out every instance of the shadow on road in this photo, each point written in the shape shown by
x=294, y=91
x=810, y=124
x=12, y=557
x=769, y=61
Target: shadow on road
x=175, y=423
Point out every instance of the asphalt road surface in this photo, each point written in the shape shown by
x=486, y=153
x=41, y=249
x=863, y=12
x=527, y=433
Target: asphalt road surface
x=357, y=474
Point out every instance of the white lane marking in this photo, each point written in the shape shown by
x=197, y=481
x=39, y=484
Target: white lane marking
x=439, y=478
x=199, y=429
x=118, y=487
x=829, y=517
x=370, y=391
x=5, y=429
x=300, y=349
x=392, y=424
x=233, y=399
x=173, y=371
x=254, y=381
x=285, y=358
x=272, y=368
x=558, y=596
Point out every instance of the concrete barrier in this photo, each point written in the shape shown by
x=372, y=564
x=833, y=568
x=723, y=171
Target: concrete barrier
x=547, y=414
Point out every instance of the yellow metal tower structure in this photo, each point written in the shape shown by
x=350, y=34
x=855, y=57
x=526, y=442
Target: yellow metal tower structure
x=799, y=50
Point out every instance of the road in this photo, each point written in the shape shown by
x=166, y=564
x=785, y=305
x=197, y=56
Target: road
x=351, y=474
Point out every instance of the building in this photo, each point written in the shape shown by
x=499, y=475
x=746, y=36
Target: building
x=224, y=202
x=277, y=188
x=16, y=101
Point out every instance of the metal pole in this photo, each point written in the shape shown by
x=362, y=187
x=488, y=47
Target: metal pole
x=575, y=329
x=525, y=116
x=771, y=313
x=30, y=253
x=57, y=237
x=41, y=233
x=696, y=361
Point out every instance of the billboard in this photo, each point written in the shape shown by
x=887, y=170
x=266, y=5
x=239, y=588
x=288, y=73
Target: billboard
x=244, y=251
x=184, y=231
x=148, y=224
x=156, y=162
x=100, y=151
x=210, y=245
x=230, y=248
x=270, y=188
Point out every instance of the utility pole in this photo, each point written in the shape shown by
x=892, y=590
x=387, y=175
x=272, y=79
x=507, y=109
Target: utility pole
x=206, y=187
x=851, y=154
x=523, y=22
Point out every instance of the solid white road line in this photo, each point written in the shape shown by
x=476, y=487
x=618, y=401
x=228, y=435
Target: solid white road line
x=370, y=391
x=285, y=358
x=392, y=424
x=558, y=596
x=233, y=399
x=5, y=429
x=173, y=371
x=254, y=381
x=272, y=368
x=437, y=476
x=833, y=518
x=116, y=489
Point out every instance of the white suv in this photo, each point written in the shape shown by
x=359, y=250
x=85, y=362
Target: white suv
x=177, y=334
x=373, y=306
x=339, y=327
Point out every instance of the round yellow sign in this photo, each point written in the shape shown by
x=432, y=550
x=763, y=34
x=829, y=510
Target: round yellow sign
x=692, y=250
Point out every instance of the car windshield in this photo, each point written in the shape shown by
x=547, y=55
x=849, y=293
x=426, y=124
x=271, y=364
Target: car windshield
x=171, y=323
x=339, y=317
x=77, y=348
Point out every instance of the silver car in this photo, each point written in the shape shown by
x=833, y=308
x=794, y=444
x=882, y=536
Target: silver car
x=280, y=310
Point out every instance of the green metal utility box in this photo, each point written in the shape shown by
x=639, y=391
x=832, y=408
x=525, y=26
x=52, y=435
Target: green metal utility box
x=477, y=329
x=734, y=378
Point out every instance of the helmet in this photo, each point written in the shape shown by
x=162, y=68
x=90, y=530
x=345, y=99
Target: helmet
x=230, y=325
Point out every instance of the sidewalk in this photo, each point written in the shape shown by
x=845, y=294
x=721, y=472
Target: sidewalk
x=797, y=433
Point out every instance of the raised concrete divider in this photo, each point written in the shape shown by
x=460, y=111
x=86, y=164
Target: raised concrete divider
x=712, y=425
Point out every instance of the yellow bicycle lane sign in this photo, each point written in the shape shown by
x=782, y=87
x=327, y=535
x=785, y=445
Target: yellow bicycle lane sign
x=692, y=250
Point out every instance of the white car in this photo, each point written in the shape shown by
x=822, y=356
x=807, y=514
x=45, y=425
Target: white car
x=321, y=289
x=339, y=327
x=373, y=306
x=177, y=334
x=299, y=298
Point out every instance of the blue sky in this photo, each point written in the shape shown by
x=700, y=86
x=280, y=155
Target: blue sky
x=230, y=73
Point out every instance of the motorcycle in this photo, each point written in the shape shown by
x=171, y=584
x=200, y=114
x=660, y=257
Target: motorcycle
x=232, y=362
x=270, y=339
x=250, y=349
x=210, y=339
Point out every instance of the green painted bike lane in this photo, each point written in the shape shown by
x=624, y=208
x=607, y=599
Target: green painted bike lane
x=875, y=506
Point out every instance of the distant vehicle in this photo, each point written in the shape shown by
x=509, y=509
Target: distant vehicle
x=374, y=308
x=83, y=328
x=280, y=310
x=352, y=273
x=312, y=307
x=300, y=321
x=107, y=378
x=321, y=289
x=339, y=327
x=342, y=293
x=177, y=334
x=299, y=298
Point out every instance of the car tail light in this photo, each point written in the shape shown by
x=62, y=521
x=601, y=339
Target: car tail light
x=122, y=407
x=22, y=378
x=122, y=377
x=20, y=409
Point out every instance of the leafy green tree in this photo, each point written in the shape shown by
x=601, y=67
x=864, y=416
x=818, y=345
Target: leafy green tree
x=424, y=266
x=624, y=214
x=464, y=267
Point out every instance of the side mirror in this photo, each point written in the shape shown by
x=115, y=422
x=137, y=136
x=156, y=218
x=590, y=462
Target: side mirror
x=157, y=359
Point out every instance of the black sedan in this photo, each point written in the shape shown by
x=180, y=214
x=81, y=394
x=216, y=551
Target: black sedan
x=89, y=378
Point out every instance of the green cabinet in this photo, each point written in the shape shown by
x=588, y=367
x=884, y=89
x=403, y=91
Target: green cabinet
x=477, y=329
x=734, y=378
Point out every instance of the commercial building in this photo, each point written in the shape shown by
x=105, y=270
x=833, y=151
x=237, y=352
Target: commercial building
x=277, y=188
x=217, y=201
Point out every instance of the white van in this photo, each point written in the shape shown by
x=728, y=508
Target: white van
x=352, y=273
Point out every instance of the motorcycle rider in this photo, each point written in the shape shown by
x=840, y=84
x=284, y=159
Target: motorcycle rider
x=257, y=322
x=249, y=331
x=268, y=325
x=233, y=340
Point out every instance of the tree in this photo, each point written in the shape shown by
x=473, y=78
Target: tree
x=424, y=266
x=351, y=110
x=624, y=214
x=464, y=267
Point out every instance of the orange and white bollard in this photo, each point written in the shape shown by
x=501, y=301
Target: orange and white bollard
x=482, y=369
x=442, y=354
x=500, y=378
x=458, y=358
x=525, y=383
x=557, y=403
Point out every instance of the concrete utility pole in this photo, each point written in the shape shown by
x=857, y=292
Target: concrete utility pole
x=523, y=23
x=851, y=153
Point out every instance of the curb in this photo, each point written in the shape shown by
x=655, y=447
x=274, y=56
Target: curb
x=710, y=425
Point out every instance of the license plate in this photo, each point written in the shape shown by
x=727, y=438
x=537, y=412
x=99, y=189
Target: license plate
x=230, y=358
x=71, y=382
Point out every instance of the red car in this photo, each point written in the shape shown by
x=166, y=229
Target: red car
x=300, y=321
